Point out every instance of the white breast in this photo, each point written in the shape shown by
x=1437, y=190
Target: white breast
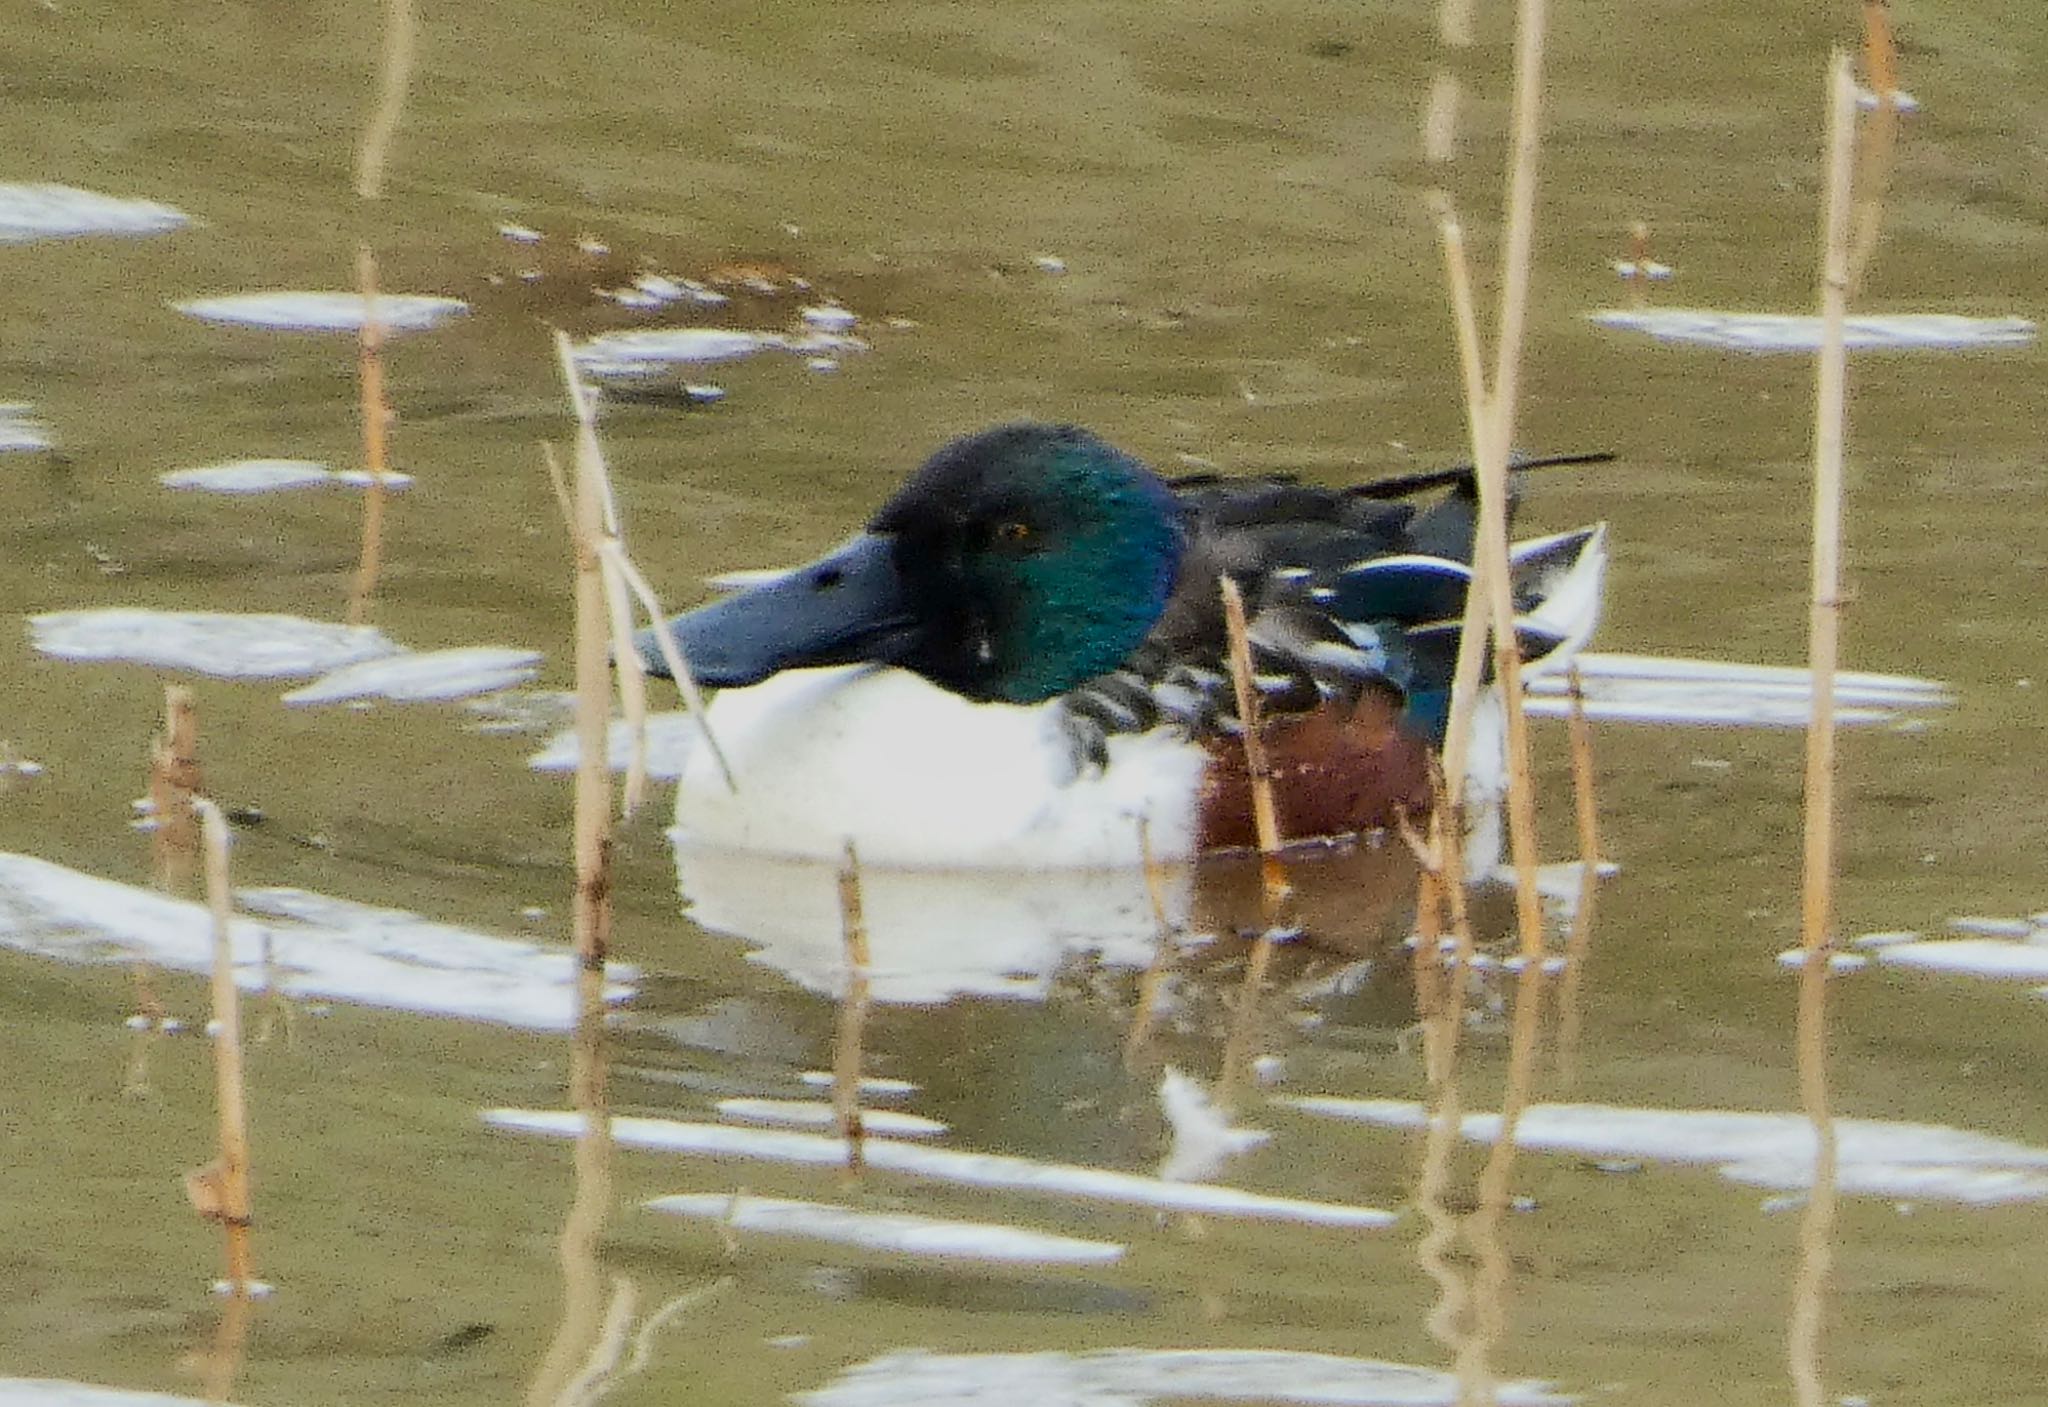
x=918, y=777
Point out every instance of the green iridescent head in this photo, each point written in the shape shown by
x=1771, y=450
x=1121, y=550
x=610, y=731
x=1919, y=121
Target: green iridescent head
x=1013, y=566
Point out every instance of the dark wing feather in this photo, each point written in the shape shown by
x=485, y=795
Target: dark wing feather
x=1347, y=592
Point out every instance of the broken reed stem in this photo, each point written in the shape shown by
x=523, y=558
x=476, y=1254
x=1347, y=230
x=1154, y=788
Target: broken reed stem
x=1153, y=981
x=1579, y=946
x=853, y=1013
x=232, y=1171
x=376, y=418
x=1816, y=1227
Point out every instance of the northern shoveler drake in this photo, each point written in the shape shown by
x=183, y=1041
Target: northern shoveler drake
x=1023, y=656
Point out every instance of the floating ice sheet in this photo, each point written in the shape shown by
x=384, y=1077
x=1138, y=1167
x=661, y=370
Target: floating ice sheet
x=900, y=1233
x=1879, y=1157
x=1800, y=332
x=815, y=1114
x=871, y=1087
x=251, y=476
x=286, y=311
x=670, y=737
x=1660, y=689
x=20, y=431
x=1136, y=1377
x=625, y=356
x=997, y=1170
x=55, y=1392
x=223, y=645
x=2013, y=959
x=430, y=677
x=36, y=211
x=1203, y=1137
x=319, y=947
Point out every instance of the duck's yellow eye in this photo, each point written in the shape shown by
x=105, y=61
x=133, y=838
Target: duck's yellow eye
x=1014, y=532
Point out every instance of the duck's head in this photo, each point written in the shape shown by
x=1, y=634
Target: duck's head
x=1013, y=566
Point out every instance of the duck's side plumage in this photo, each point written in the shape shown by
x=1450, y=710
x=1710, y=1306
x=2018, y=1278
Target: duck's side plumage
x=1048, y=616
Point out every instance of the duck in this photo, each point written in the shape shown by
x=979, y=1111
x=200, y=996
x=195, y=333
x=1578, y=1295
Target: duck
x=1021, y=661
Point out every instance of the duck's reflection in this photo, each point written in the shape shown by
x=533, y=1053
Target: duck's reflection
x=938, y=934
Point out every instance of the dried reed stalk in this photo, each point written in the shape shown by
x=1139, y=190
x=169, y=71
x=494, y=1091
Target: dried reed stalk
x=593, y=910
x=220, y=1191
x=1274, y=890
x=1579, y=946
x=1816, y=1230
x=376, y=417
x=853, y=1013
x=1879, y=145
x=619, y=578
x=1490, y=415
x=174, y=780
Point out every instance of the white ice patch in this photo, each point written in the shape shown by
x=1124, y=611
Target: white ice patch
x=626, y=356
x=285, y=311
x=814, y=1114
x=670, y=739
x=897, y=1233
x=1716, y=693
x=318, y=947
x=20, y=431
x=1203, y=1138
x=55, y=1392
x=433, y=676
x=225, y=646
x=871, y=1087
x=1800, y=332
x=987, y=1170
x=251, y=476
x=1137, y=1377
x=35, y=211
x=2012, y=959
x=1878, y=1157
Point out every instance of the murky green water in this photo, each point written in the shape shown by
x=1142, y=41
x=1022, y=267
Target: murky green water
x=1251, y=279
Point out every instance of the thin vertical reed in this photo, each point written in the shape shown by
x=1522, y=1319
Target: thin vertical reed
x=1274, y=889
x=1579, y=946
x=1816, y=1230
x=853, y=1013
x=230, y=1096
x=394, y=68
x=582, y=1325
x=376, y=418
x=1879, y=144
